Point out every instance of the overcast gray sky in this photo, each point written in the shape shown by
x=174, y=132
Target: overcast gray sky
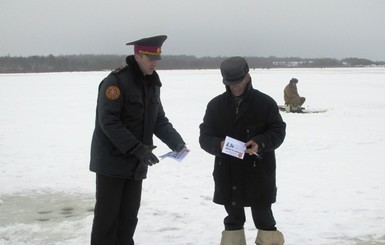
x=300, y=28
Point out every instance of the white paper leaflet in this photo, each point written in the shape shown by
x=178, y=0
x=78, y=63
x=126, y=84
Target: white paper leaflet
x=178, y=156
x=234, y=147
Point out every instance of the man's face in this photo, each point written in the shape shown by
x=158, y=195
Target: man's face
x=146, y=64
x=239, y=89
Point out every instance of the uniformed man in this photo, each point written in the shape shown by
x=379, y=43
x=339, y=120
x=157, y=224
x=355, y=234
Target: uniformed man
x=293, y=102
x=250, y=116
x=129, y=112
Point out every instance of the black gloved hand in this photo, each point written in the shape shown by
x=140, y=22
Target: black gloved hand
x=180, y=147
x=145, y=155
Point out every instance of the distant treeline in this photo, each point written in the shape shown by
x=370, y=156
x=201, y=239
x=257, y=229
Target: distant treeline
x=64, y=63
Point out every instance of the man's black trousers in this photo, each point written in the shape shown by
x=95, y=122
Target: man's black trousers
x=116, y=210
x=262, y=216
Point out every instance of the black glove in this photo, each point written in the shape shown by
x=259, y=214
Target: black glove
x=145, y=155
x=180, y=147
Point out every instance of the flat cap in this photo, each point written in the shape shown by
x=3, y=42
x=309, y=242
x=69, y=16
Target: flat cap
x=294, y=80
x=233, y=70
x=149, y=46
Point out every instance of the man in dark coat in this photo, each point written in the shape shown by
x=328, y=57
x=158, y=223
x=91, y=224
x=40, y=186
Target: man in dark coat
x=129, y=112
x=250, y=116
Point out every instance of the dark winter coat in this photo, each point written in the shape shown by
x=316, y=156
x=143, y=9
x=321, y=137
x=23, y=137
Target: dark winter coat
x=249, y=181
x=131, y=118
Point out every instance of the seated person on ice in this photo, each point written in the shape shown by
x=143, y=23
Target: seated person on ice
x=293, y=101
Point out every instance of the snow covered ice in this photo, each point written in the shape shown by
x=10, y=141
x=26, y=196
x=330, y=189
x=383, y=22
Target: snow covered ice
x=330, y=169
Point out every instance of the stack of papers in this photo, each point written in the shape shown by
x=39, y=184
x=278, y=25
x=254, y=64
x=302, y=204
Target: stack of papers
x=234, y=147
x=178, y=156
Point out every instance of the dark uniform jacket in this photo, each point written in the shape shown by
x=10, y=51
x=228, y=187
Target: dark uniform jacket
x=129, y=111
x=248, y=181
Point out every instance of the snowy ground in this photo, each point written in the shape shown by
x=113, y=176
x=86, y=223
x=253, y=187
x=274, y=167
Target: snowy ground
x=331, y=185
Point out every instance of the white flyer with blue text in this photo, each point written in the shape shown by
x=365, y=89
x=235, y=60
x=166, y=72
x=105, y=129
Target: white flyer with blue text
x=234, y=147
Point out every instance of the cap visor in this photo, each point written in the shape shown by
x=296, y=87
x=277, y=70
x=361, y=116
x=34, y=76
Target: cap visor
x=227, y=82
x=154, y=57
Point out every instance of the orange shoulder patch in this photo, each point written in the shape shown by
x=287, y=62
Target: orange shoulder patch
x=112, y=92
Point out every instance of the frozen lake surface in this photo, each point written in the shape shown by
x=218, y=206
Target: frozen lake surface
x=330, y=169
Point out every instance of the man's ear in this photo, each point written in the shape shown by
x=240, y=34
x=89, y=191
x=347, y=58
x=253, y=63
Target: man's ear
x=137, y=57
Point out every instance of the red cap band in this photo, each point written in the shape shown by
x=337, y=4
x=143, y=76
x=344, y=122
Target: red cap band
x=147, y=50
